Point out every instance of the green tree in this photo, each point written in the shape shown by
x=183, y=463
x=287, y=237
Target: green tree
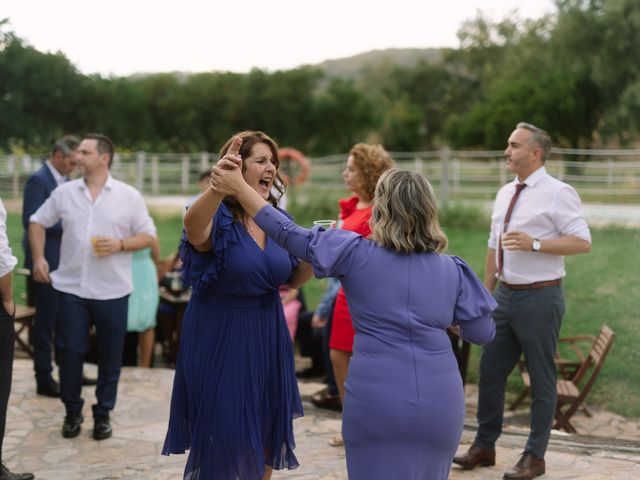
x=541, y=80
x=343, y=115
x=39, y=94
x=282, y=104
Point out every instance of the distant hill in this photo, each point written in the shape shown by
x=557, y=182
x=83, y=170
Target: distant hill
x=351, y=67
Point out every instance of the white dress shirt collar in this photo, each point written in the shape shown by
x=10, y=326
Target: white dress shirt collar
x=57, y=176
x=108, y=186
x=534, y=177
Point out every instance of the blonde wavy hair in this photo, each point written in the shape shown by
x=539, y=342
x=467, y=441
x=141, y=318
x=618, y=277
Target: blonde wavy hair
x=370, y=161
x=405, y=214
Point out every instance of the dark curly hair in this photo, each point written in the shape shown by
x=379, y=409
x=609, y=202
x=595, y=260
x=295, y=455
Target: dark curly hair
x=249, y=139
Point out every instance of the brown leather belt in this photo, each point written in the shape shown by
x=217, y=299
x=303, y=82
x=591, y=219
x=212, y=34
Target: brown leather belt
x=529, y=286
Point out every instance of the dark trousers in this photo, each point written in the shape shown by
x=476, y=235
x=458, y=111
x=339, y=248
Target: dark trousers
x=46, y=301
x=310, y=341
x=527, y=321
x=76, y=316
x=331, y=379
x=7, y=333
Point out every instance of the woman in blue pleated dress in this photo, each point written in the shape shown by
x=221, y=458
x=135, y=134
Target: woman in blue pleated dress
x=404, y=403
x=235, y=393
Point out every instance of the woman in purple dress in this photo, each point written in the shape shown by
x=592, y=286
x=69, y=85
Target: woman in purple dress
x=235, y=392
x=404, y=402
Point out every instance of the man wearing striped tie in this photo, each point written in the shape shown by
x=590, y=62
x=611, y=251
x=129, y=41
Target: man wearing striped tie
x=536, y=221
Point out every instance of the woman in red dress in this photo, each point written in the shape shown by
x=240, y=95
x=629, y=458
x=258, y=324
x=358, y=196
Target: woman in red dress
x=364, y=166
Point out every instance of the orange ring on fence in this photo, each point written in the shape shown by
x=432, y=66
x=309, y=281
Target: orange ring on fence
x=293, y=155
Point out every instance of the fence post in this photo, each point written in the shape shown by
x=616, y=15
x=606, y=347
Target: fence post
x=27, y=164
x=115, y=166
x=417, y=165
x=445, y=158
x=502, y=171
x=11, y=163
x=185, y=173
x=15, y=179
x=155, y=183
x=140, y=158
x=204, y=162
x=609, y=172
x=455, y=170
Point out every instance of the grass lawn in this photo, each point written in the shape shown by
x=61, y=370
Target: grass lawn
x=601, y=287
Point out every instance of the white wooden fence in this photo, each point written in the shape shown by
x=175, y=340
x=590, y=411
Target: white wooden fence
x=597, y=175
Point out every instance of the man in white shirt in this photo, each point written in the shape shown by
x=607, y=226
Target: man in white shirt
x=536, y=221
x=103, y=220
x=36, y=191
x=7, y=332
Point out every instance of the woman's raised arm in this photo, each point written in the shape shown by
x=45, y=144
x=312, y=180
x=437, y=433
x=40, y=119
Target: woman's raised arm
x=198, y=219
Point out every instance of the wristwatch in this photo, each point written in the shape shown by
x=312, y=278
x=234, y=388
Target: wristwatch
x=535, y=246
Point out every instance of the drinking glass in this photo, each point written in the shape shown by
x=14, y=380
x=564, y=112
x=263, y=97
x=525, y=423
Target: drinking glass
x=504, y=228
x=326, y=224
x=94, y=244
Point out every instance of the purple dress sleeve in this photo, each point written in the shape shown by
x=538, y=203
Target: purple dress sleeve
x=328, y=251
x=474, y=306
x=200, y=269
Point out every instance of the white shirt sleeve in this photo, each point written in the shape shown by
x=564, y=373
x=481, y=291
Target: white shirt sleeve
x=49, y=212
x=567, y=214
x=7, y=260
x=141, y=221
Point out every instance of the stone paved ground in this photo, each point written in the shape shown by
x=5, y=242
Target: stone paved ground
x=33, y=441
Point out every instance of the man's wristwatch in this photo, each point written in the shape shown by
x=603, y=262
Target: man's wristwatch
x=535, y=246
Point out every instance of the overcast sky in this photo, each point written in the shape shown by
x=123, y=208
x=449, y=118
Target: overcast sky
x=121, y=37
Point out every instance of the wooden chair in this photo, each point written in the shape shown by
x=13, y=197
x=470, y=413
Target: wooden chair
x=24, y=322
x=570, y=395
x=572, y=392
x=25, y=315
x=578, y=347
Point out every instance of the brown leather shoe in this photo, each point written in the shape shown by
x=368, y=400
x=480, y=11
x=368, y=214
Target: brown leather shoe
x=325, y=400
x=529, y=466
x=475, y=457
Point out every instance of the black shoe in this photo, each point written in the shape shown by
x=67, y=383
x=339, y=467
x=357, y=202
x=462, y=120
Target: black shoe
x=71, y=426
x=50, y=389
x=311, y=372
x=86, y=381
x=101, y=427
x=5, y=474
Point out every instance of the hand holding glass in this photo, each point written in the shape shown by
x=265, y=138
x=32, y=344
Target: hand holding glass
x=511, y=237
x=94, y=244
x=326, y=224
x=101, y=245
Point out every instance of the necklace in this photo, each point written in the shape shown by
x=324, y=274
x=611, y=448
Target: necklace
x=249, y=224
